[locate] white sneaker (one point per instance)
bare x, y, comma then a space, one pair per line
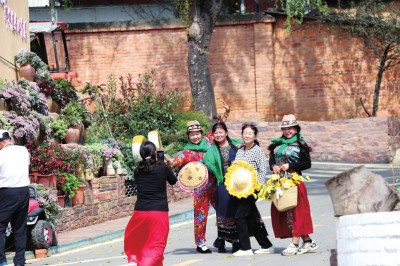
290, 250
243, 253
307, 247
262, 251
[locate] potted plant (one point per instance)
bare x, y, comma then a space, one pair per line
59, 129
37, 99
76, 117
67, 184
28, 62
16, 97
50, 203
24, 128
45, 131
48, 159
64, 92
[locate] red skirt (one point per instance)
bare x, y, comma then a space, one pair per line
295, 222
146, 237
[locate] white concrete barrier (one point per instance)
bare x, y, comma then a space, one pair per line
369, 239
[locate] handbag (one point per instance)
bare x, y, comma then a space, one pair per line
285, 199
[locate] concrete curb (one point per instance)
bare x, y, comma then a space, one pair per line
173, 219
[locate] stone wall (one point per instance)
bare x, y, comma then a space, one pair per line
105, 200
360, 140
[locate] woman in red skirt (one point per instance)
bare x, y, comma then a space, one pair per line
147, 231
290, 153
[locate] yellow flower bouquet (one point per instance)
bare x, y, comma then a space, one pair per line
277, 183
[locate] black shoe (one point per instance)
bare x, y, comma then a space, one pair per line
219, 243
203, 249
235, 246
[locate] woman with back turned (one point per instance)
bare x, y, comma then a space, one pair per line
147, 231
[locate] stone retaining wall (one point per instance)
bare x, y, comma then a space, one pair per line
360, 140
105, 200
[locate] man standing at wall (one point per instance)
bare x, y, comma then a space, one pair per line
14, 195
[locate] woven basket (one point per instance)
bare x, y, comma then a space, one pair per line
287, 201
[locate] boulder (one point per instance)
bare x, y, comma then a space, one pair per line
358, 190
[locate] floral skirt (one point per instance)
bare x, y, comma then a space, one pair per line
146, 237
294, 222
226, 209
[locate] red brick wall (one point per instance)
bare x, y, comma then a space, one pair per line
256, 66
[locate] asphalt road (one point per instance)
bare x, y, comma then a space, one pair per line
181, 251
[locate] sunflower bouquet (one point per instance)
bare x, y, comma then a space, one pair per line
277, 183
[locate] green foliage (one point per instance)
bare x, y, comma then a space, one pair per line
126, 109
129, 161
64, 92
68, 184
183, 8
180, 137
59, 128
50, 204
298, 9
96, 153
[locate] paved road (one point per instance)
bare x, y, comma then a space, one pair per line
180, 249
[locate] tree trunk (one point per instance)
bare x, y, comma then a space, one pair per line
381, 69
199, 38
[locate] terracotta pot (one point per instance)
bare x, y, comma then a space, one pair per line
78, 199
61, 201
73, 134
44, 180
33, 176
27, 72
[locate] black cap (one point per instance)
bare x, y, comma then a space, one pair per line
4, 134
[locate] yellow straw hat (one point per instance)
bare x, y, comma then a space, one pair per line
193, 175
241, 179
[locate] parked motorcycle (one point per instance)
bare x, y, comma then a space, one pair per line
40, 233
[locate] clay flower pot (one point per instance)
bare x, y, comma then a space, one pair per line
27, 72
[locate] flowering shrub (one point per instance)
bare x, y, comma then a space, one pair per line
50, 204
36, 98
64, 92
17, 95
276, 183
25, 127
27, 57
47, 158
67, 184
109, 153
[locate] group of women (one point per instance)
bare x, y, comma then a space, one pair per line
237, 219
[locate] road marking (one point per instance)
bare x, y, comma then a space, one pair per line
187, 262
91, 260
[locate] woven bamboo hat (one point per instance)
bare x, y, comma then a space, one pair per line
193, 175
241, 179
193, 126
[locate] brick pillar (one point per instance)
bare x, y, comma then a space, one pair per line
264, 69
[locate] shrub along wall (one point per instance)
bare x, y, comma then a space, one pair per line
255, 65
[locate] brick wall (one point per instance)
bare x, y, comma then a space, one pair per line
260, 69
368, 239
360, 140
